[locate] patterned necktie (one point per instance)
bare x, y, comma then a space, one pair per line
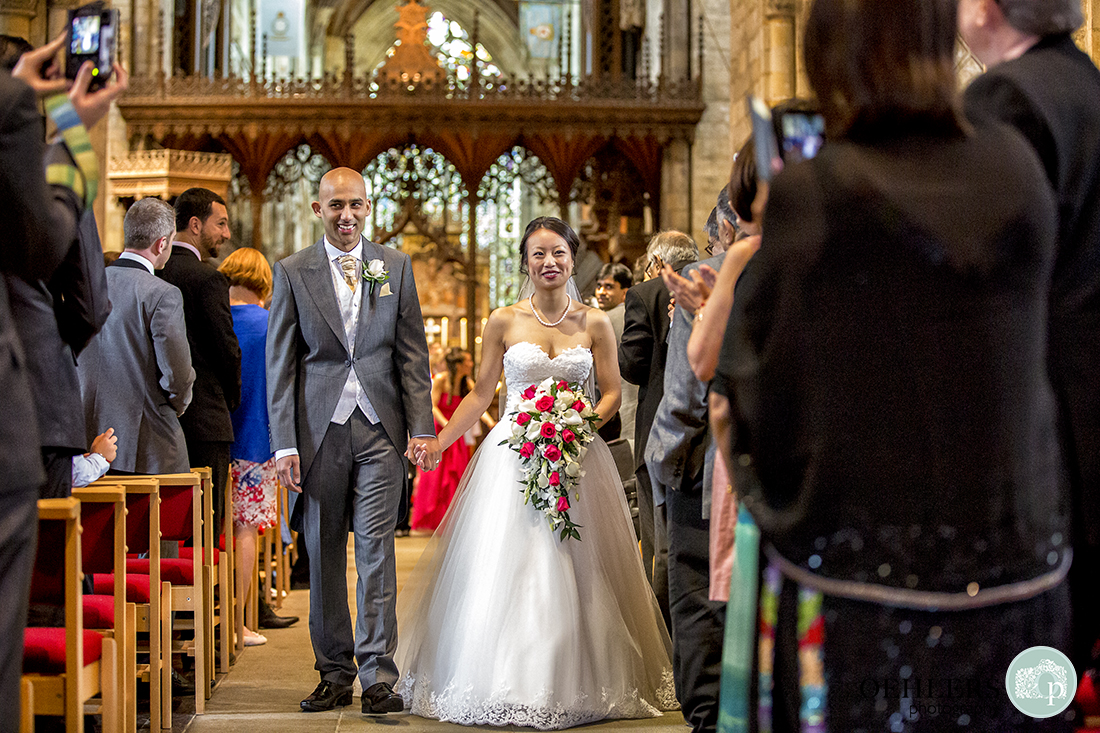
350, 266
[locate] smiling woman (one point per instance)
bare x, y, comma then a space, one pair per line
596, 646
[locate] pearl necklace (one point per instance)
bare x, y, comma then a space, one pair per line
555, 323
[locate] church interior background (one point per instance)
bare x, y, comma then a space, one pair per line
467, 117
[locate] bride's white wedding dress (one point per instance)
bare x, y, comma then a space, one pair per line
501, 623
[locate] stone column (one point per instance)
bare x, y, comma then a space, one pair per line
780, 74
17, 18
746, 61
678, 29
1091, 29
675, 185
713, 149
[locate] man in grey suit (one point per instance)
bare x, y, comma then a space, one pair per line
348, 382
135, 374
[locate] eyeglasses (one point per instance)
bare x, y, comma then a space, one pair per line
709, 249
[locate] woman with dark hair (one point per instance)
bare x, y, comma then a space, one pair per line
894, 430
503, 621
435, 489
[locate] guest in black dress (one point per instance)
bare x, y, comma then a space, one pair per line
894, 427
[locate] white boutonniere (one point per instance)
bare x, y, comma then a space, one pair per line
375, 272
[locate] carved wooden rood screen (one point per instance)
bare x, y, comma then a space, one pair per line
350, 119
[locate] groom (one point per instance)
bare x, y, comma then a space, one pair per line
347, 382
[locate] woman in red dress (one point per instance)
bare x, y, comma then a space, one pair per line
436, 488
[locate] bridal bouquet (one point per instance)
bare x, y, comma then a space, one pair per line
550, 429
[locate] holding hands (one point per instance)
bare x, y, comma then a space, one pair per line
424, 452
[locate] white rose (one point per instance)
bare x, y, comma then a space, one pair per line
376, 268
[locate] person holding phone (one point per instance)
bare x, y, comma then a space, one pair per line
42, 211
894, 431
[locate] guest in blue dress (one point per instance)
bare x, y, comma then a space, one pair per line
252, 462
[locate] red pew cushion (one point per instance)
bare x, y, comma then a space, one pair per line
99, 612
137, 586
44, 649
176, 572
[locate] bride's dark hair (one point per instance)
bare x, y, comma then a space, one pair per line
552, 224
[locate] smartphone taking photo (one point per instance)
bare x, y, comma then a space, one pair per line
790, 133
93, 36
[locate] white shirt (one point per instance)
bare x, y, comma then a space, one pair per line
353, 393
138, 258
188, 246
89, 468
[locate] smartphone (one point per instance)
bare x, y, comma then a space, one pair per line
768, 161
93, 36
801, 135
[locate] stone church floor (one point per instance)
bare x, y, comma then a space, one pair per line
262, 691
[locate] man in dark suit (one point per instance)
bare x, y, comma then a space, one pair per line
348, 382
136, 374
59, 317
40, 221
202, 227
642, 353
1039, 82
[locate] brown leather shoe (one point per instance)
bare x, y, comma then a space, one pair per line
380, 698
326, 697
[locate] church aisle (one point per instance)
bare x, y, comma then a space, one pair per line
264, 688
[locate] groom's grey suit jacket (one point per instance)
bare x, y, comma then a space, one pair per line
308, 358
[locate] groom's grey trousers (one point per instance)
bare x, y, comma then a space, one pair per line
354, 483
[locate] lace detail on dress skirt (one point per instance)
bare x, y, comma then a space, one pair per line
464, 708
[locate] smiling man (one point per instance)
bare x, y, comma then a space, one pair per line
202, 226
348, 382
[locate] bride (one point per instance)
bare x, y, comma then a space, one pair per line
502, 623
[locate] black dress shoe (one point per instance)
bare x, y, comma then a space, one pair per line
271, 620
326, 697
180, 685
380, 698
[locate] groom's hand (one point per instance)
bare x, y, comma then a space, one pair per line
289, 470
425, 452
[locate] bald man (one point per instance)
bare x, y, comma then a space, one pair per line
348, 382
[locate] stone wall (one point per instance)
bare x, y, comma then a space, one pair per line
712, 151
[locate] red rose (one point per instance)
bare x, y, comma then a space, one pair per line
555, 479
552, 453
544, 404
548, 430
529, 393
567, 435
563, 385
578, 405
527, 450
523, 418
563, 503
